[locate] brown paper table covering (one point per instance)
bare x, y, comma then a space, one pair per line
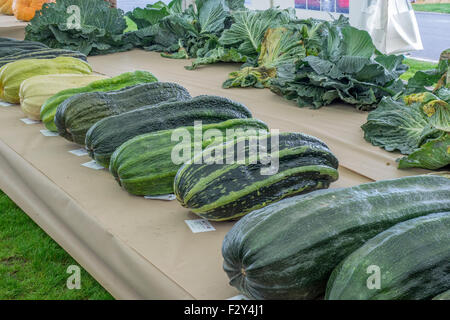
139, 248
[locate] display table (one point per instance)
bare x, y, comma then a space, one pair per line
11, 28
138, 248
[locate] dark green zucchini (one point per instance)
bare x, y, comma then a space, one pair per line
104, 137
443, 296
410, 261
77, 114
227, 191
44, 53
289, 249
11, 46
144, 165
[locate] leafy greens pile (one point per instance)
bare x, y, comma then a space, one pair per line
417, 126
100, 31
347, 68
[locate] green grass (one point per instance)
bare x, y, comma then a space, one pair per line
416, 65
433, 7
32, 265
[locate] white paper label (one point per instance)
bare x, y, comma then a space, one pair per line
239, 297
79, 152
167, 197
200, 225
5, 104
93, 165
29, 121
48, 133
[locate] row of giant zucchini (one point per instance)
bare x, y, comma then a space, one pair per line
11, 46
36, 90
13, 74
288, 250
222, 191
76, 115
144, 165
41, 53
125, 80
108, 134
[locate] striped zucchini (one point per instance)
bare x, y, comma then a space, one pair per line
43, 53
227, 191
76, 115
289, 249
143, 165
108, 134
411, 259
13, 46
125, 80
443, 296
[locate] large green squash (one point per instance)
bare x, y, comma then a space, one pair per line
43, 53
289, 249
108, 134
144, 165
225, 191
76, 115
128, 79
443, 296
13, 46
410, 261
13, 74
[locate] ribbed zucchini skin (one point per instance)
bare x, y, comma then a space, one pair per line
143, 165
43, 53
413, 258
289, 249
443, 296
76, 115
108, 134
125, 80
13, 46
227, 191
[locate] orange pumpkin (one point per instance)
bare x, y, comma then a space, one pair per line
6, 7
25, 9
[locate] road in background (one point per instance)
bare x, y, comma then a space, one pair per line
435, 32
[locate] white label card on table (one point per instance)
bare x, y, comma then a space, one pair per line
48, 133
93, 165
200, 225
29, 121
167, 197
79, 152
6, 104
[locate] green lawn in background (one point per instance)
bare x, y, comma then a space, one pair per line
32, 265
416, 65
433, 7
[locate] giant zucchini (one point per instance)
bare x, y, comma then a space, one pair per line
288, 250
13, 74
43, 53
122, 81
12, 46
412, 261
108, 134
227, 191
443, 296
36, 90
77, 114
144, 166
